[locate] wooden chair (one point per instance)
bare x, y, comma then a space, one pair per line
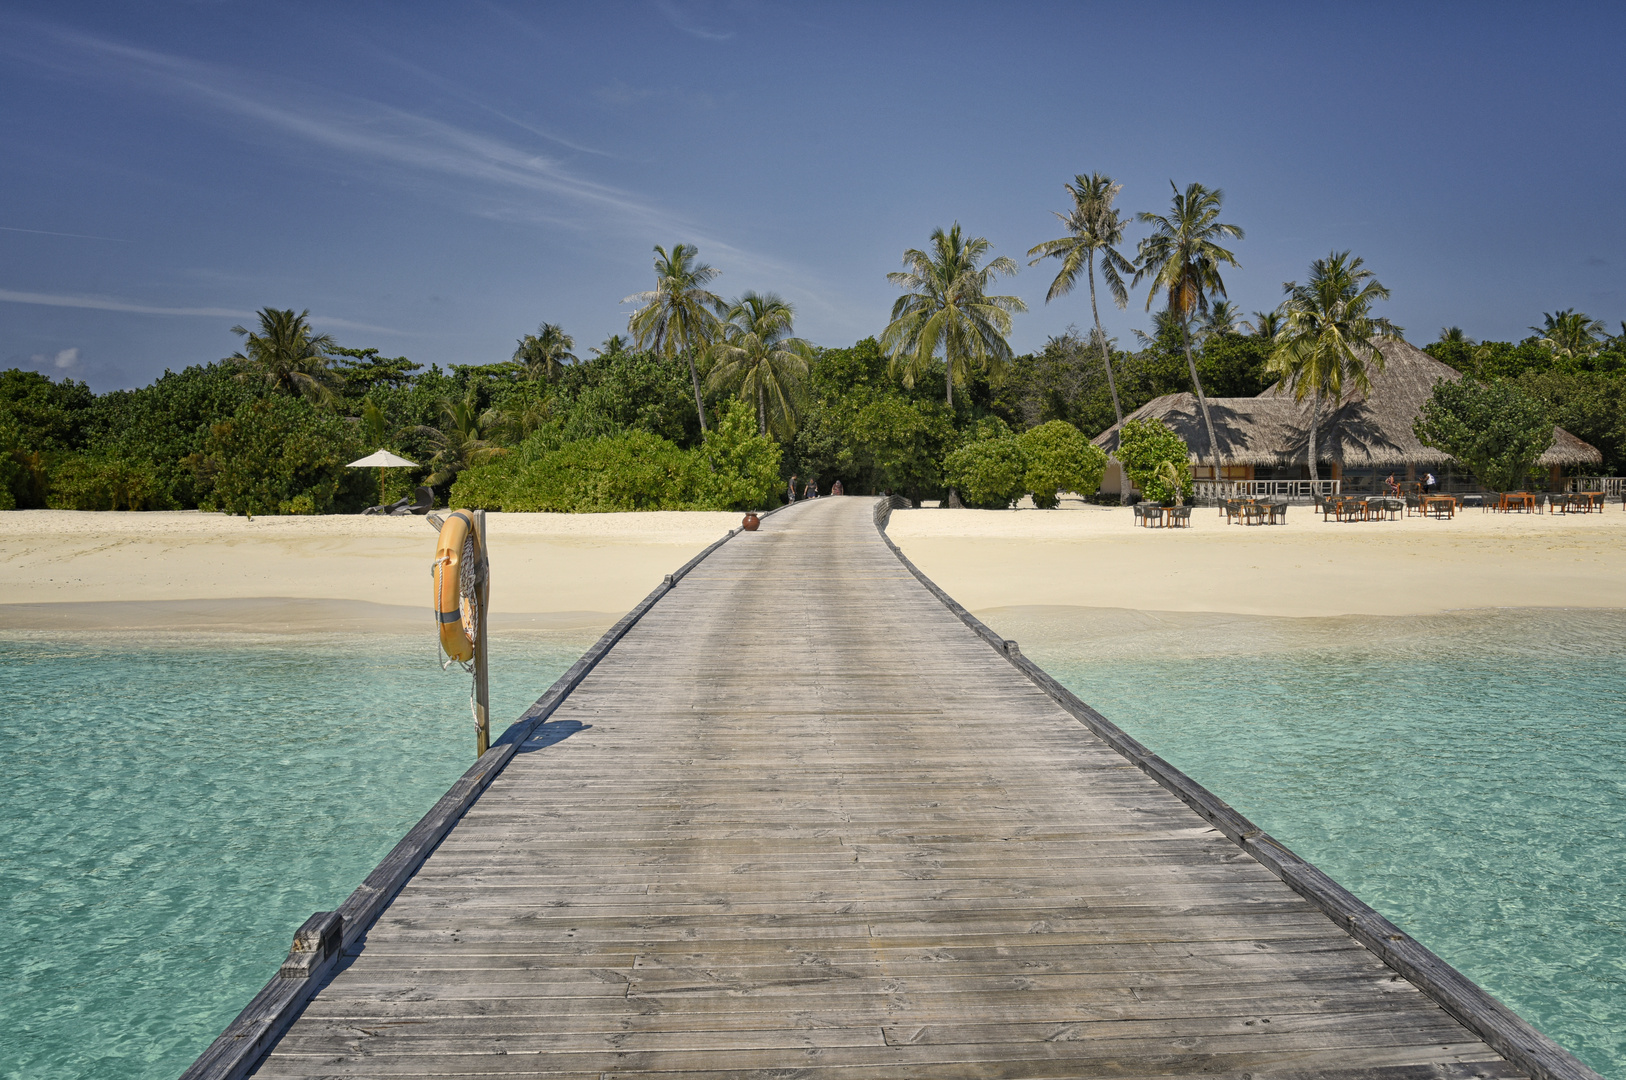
1177, 517
1152, 513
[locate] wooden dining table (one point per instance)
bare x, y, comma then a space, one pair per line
1524, 500
1439, 505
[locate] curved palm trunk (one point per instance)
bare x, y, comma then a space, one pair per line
694, 375
948, 380
762, 410
1315, 421
1202, 399
1124, 488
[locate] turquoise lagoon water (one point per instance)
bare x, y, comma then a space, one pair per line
171, 811
1464, 774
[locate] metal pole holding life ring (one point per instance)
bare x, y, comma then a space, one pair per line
462, 597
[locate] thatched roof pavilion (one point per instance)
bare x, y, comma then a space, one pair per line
1367, 431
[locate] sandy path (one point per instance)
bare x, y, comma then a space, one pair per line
1095, 557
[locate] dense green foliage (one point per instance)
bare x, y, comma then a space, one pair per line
1057, 457
276, 455
734, 468
721, 405
1495, 429
1145, 447
1584, 394
989, 474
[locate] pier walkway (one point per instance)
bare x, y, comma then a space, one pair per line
803, 821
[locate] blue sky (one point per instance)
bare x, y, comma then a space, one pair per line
437, 179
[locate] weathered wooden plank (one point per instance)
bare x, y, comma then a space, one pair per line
811, 822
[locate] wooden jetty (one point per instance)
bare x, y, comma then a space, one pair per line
800, 815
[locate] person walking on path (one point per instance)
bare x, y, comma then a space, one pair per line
835, 488
812, 491
790, 496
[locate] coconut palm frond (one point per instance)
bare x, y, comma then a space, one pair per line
1182, 258
679, 316
540, 355
946, 306
759, 359
286, 355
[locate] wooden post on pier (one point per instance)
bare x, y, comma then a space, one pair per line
482, 687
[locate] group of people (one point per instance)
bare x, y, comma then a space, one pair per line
811, 490
1391, 486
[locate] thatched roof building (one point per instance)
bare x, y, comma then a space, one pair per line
1368, 431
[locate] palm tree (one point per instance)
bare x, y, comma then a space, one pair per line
1222, 318
464, 438
1183, 260
286, 356
1093, 225
1570, 333
540, 355
759, 358
613, 345
948, 306
1330, 337
679, 315
1455, 335
1265, 324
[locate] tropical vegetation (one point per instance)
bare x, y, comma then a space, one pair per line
713, 403
1328, 340
1495, 429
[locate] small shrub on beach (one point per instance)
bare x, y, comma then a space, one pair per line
1143, 446
739, 468
1057, 457
988, 474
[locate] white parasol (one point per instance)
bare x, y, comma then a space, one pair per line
382, 460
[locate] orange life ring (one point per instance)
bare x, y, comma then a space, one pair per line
457, 556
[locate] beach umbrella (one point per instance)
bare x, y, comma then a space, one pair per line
382, 460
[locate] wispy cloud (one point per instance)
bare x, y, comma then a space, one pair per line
487, 175
369, 130
685, 21
109, 303
74, 235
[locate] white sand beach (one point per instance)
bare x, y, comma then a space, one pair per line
1095, 557
68, 570
189, 570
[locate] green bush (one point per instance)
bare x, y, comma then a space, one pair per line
1143, 446
1495, 429
280, 455
739, 468
89, 482
734, 469
631, 471
1057, 457
990, 474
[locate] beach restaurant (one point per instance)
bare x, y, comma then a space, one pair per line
1264, 441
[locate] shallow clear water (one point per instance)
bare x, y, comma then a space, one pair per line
1464, 774
170, 811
